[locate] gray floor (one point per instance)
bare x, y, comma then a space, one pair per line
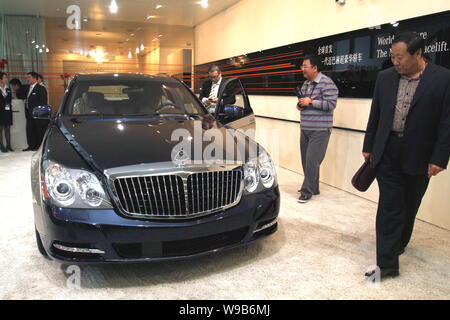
321, 251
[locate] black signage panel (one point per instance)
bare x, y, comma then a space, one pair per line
351, 59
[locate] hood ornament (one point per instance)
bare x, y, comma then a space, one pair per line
180, 157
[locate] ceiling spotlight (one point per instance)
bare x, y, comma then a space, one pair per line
130, 55
40, 50
113, 8
142, 46
33, 42
47, 50
204, 3
37, 47
137, 50
150, 17
158, 6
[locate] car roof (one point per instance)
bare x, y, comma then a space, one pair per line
122, 76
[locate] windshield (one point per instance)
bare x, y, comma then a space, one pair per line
131, 98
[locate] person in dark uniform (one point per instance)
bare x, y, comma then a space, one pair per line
37, 96
5, 113
17, 89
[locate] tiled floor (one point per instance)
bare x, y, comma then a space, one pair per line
321, 251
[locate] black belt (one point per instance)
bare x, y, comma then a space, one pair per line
397, 134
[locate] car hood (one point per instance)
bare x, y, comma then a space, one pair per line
111, 143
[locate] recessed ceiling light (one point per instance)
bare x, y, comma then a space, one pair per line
113, 8
204, 3
151, 17
158, 6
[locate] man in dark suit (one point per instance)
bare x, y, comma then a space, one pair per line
407, 141
211, 88
37, 96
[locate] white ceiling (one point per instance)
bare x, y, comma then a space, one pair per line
172, 12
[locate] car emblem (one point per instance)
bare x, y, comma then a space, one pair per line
181, 157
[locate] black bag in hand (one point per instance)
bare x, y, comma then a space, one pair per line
364, 177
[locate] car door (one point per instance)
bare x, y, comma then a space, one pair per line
234, 107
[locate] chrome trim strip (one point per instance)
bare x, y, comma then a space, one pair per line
266, 226
78, 250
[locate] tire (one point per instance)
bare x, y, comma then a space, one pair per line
40, 246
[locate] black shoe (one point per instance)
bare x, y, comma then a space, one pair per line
314, 194
3, 149
303, 198
9, 148
27, 149
384, 273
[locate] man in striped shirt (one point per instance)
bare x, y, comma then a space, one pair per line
316, 102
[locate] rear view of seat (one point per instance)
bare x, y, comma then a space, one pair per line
93, 102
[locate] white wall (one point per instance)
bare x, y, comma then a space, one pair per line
253, 25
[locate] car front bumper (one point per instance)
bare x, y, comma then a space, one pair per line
105, 236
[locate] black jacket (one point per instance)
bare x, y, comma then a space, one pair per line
38, 97
206, 88
427, 129
5, 115
229, 96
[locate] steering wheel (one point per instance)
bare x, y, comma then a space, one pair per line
167, 106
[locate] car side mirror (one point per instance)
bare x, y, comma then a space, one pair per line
42, 113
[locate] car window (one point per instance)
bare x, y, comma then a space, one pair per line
112, 93
133, 97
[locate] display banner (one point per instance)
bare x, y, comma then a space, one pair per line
351, 59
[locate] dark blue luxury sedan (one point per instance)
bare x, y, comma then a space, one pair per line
134, 168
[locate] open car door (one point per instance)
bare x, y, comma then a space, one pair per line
234, 107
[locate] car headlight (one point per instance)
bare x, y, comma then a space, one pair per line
251, 175
258, 170
73, 188
266, 169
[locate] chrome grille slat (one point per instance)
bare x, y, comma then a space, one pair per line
142, 195
171, 196
123, 194
179, 197
129, 195
148, 196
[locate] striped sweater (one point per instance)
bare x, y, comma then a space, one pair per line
319, 115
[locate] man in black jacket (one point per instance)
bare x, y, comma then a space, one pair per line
211, 87
36, 96
407, 141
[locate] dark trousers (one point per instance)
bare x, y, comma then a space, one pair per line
313, 146
35, 131
400, 198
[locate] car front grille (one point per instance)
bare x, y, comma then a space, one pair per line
174, 196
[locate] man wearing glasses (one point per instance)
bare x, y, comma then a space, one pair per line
316, 102
211, 88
